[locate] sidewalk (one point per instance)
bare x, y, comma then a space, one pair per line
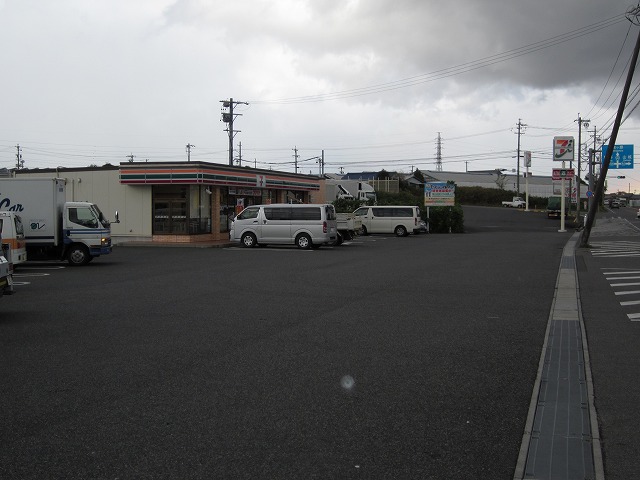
583, 414
561, 438
203, 244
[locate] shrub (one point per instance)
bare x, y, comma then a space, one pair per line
446, 219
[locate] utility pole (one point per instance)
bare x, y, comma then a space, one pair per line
189, 147
130, 157
439, 153
295, 158
19, 160
632, 16
228, 118
239, 154
592, 162
521, 127
581, 121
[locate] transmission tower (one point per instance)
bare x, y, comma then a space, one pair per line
439, 153
19, 160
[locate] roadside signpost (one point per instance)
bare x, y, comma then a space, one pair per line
621, 158
562, 173
439, 194
563, 151
527, 163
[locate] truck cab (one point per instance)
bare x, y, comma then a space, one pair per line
86, 232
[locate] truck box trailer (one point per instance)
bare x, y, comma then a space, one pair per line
53, 227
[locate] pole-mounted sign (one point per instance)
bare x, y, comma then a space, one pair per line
562, 173
563, 150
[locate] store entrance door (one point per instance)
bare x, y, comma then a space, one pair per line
170, 216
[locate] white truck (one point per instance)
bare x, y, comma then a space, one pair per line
53, 227
349, 226
517, 202
6, 270
350, 190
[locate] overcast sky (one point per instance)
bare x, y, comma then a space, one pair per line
370, 82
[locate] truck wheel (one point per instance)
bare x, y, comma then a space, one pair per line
303, 241
78, 255
339, 239
249, 240
364, 231
400, 231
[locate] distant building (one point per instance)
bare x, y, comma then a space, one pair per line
177, 201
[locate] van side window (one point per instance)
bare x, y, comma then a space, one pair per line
381, 212
306, 213
248, 213
403, 212
330, 212
277, 213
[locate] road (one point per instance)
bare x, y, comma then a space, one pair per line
383, 358
610, 297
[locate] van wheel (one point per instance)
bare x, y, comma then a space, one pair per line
249, 240
400, 231
78, 255
303, 241
364, 231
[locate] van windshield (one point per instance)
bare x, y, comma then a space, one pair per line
248, 213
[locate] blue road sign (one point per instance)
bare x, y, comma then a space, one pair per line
622, 156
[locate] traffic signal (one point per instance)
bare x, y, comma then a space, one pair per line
620, 176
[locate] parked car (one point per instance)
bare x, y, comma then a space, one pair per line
615, 203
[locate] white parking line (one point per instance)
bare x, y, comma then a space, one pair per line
33, 267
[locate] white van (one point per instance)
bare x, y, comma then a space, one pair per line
304, 225
399, 219
13, 234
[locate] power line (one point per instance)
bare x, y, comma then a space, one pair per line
454, 70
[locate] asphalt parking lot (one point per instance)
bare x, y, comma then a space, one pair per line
384, 358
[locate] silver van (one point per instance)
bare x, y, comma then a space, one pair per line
399, 219
304, 225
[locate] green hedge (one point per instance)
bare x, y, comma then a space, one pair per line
446, 219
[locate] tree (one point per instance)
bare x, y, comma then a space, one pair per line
383, 175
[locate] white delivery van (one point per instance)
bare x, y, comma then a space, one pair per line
13, 234
304, 225
399, 219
